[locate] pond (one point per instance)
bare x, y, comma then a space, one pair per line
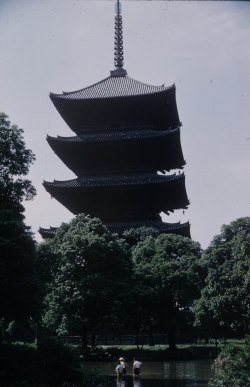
161, 374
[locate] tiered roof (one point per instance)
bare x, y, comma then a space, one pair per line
126, 131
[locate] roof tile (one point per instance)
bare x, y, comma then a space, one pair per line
115, 180
112, 87
116, 135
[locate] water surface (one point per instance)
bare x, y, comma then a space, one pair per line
161, 374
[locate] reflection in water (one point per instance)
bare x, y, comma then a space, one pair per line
137, 382
120, 382
128, 382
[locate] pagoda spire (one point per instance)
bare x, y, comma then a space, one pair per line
118, 43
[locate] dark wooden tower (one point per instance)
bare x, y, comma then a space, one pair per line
127, 141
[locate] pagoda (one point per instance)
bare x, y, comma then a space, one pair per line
126, 143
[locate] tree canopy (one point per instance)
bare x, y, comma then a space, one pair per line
224, 306
19, 284
18, 276
169, 271
15, 161
135, 235
92, 273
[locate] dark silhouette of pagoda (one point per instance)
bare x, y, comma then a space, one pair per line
127, 141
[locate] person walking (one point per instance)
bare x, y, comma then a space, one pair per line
136, 366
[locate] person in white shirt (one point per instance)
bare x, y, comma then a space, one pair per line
122, 361
136, 366
119, 369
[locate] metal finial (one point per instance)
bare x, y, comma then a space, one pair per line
118, 52
118, 7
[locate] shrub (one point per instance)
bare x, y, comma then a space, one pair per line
56, 364
96, 354
49, 364
232, 367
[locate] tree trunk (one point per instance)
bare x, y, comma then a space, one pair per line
216, 345
3, 338
84, 339
225, 340
150, 337
142, 338
171, 339
36, 334
93, 340
137, 339
206, 339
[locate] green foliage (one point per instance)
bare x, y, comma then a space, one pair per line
57, 364
20, 330
15, 161
48, 365
233, 367
18, 276
19, 284
224, 306
97, 354
89, 279
135, 235
168, 275
149, 353
170, 264
49, 258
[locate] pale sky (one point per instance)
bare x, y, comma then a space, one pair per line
202, 47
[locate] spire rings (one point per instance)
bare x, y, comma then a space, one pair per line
118, 42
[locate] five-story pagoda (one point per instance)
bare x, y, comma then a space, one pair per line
127, 141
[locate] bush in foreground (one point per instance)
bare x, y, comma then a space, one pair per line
232, 367
49, 364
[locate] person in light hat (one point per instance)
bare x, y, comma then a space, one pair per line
123, 364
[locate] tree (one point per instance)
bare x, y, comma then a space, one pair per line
135, 235
19, 286
224, 306
88, 287
168, 268
15, 161
232, 366
18, 276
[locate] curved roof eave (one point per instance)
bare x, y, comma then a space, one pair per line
89, 182
112, 87
161, 226
120, 227
118, 135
